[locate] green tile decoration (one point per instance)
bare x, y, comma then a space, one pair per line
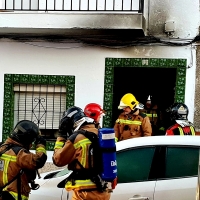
108, 105
110, 63
109, 70
180, 90
70, 79
50, 145
181, 62
163, 62
107, 119
109, 79
108, 88
172, 62
154, 62
181, 71
180, 81
127, 62
34, 79
180, 98
70, 88
11, 79
118, 62
145, 62
43, 79
137, 62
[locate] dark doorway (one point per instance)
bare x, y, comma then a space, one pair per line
159, 82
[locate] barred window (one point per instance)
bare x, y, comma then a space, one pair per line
42, 104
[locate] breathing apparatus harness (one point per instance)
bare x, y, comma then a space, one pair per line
16, 149
93, 172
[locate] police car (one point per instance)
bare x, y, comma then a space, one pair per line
148, 168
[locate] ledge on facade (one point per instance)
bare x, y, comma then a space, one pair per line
76, 25
89, 36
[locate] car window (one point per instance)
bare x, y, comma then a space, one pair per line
181, 162
62, 173
134, 164
56, 174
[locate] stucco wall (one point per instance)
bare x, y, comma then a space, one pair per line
86, 63
197, 92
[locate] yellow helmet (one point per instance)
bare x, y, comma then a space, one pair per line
129, 100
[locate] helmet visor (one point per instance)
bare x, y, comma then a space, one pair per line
140, 106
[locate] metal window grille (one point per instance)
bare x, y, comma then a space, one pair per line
42, 104
75, 5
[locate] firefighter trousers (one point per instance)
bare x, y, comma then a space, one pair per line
90, 195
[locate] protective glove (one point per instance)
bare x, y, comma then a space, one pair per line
40, 140
62, 133
65, 128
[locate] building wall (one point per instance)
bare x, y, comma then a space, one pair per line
197, 93
86, 63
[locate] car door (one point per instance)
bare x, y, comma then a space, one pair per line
133, 166
179, 178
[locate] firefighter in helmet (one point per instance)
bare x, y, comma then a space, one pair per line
152, 111
131, 123
94, 111
179, 120
18, 166
72, 149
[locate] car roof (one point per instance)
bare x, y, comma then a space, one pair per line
158, 140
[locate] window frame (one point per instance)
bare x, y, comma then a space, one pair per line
11, 79
136, 148
157, 170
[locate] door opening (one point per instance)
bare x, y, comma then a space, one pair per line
140, 81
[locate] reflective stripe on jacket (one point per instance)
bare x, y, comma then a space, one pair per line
130, 126
176, 129
192, 131
66, 152
122, 121
11, 164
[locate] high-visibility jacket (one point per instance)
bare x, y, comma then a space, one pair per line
11, 164
131, 126
153, 114
176, 129
66, 152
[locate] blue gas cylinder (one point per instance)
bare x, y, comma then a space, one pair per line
108, 147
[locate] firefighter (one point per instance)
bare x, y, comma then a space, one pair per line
131, 123
73, 150
94, 111
18, 166
179, 120
152, 111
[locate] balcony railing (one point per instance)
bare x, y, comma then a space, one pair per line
135, 6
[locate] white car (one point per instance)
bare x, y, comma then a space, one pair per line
149, 168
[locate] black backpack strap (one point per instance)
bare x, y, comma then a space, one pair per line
16, 149
9, 182
8, 146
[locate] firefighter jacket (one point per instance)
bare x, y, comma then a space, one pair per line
132, 126
176, 129
155, 117
16, 159
68, 152
152, 113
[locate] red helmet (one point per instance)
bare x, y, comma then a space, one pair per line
93, 110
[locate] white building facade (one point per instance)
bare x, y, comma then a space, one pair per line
73, 58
